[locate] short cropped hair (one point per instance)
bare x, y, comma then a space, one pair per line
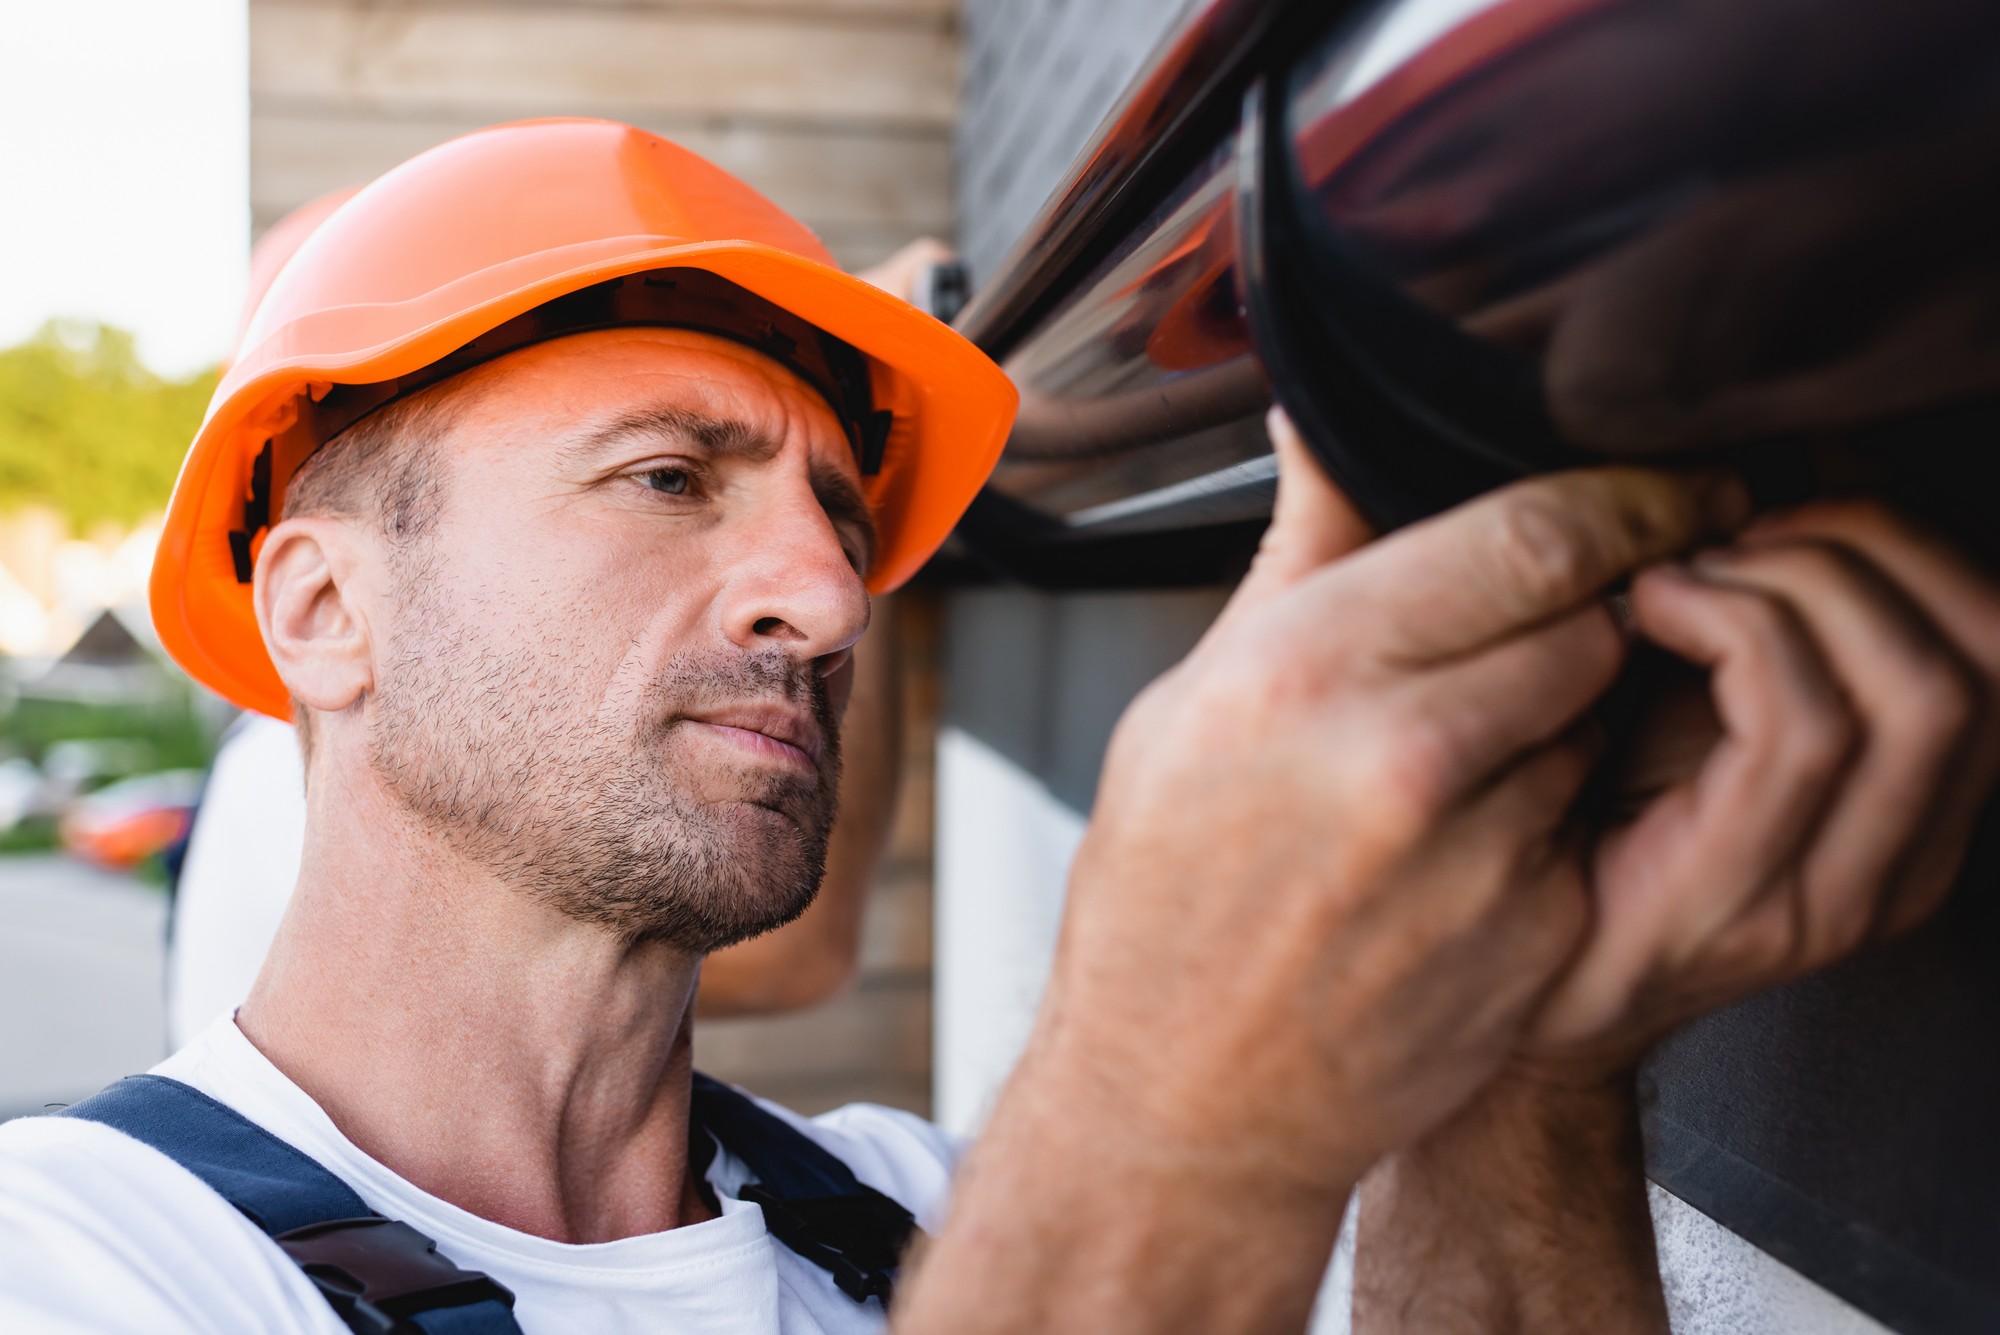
383, 471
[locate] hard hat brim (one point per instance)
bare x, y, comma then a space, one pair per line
952, 410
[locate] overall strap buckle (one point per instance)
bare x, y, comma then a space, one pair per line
379, 1274
858, 1238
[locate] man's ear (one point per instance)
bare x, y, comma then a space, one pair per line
309, 607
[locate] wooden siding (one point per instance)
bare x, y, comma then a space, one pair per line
840, 110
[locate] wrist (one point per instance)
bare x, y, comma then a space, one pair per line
1529, 1204
1182, 1109
1537, 1130
1161, 1142
1552, 1086
1099, 1218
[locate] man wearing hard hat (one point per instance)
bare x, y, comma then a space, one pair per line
242, 858
548, 494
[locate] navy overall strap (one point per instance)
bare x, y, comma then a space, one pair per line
381, 1276
812, 1202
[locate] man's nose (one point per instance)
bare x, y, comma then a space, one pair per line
793, 586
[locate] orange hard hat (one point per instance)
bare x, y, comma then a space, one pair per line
278, 244
528, 231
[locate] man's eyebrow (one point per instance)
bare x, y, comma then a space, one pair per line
722, 436
730, 438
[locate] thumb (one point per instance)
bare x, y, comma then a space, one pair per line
1312, 521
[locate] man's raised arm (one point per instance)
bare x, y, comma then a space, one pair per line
1328, 878
1850, 745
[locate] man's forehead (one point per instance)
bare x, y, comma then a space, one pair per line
645, 376
614, 395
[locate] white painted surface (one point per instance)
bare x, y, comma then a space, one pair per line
1334, 1309
1004, 848
1718, 1284
1034, 685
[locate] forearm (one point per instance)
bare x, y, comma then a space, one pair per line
1526, 1212
1069, 1216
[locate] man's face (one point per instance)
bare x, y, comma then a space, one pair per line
613, 666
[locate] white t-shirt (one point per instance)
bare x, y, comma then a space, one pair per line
100, 1233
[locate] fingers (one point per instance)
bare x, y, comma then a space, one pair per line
1512, 681
1964, 604
1486, 709
1534, 551
1953, 593
1743, 818
1856, 754
1312, 523
1893, 839
1497, 569
1683, 894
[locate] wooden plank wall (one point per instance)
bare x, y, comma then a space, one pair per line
841, 111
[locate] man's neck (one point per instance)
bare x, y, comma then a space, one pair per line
524, 1066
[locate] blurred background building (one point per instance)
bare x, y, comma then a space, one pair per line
840, 110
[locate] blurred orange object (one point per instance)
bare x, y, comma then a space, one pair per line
122, 825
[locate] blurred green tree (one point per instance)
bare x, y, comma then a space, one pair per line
86, 429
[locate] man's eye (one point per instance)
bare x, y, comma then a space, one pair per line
672, 481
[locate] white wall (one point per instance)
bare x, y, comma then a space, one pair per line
1032, 686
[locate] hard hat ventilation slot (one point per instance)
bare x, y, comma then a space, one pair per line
875, 440
256, 516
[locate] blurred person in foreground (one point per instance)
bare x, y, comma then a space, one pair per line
242, 856
570, 631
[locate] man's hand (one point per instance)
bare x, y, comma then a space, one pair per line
899, 273
1816, 792
1330, 853
1327, 879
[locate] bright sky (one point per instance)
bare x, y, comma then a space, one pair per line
124, 170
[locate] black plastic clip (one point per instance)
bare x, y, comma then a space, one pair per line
873, 430
858, 1239
378, 1273
256, 515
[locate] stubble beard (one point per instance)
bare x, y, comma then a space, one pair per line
602, 820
